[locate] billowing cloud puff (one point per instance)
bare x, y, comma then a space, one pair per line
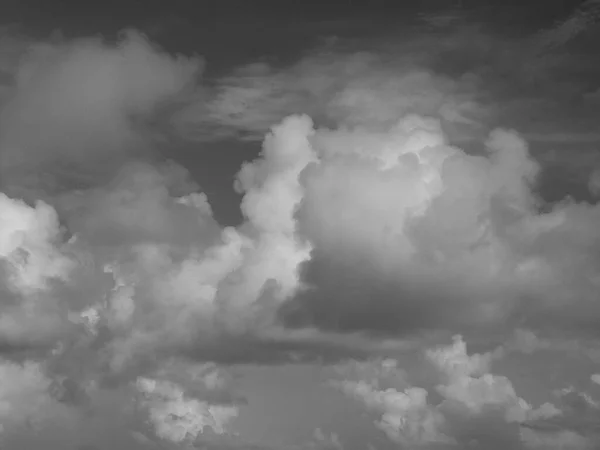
38, 408
122, 264
405, 416
469, 384
28, 238
594, 182
435, 236
177, 415
472, 408
34, 259
147, 266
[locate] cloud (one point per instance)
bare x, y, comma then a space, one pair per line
90, 104
406, 417
178, 277
326, 441
178, 417
33, 260
147, 267
573, 426
38, 409
594, 183
25, 397
351, 88
114, 265
452, 239
462, 71
366, 231
470, 385
469, 75
581, 21
473, 408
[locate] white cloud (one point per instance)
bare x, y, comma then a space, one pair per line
177, 417
469, 384
28, 237
459, 235
405, 416
34, 259
476, 409
403, 412
123, 264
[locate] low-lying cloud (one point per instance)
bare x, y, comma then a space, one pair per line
474, 408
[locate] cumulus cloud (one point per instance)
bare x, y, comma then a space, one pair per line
452, 239
113, 263
141, 239
39, 409
469, 384
473, 408
466, 74
34, 258
176, 413
361, 220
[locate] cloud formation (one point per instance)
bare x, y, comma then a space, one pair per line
113, 263
452, 239
367, 229
474, 408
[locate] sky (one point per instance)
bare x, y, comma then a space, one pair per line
282, 226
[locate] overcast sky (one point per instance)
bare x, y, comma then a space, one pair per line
276, 226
